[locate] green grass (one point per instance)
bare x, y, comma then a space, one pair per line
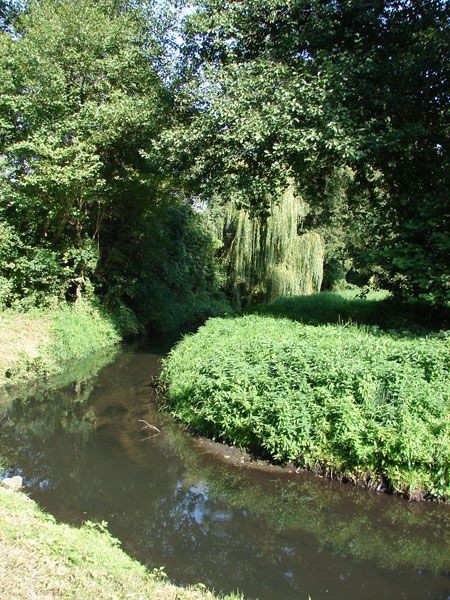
44, 559
351, 401
39, 342
376, 308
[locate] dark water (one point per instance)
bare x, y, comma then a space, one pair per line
77, 442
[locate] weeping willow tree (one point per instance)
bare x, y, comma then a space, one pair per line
267, 258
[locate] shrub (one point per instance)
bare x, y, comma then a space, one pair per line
178, 282
78, 330
369, 405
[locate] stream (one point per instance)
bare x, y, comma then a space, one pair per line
176, 501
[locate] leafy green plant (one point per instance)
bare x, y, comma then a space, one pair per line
351, 401
302, 89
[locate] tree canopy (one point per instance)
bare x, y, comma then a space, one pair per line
80, 101
304, 88
116, 114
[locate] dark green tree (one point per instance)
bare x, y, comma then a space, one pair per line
306, 88
80, 101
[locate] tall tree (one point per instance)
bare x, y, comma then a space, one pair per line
8, 12
80, 101
306, 88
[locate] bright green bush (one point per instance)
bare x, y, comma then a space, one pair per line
369, 405
81, 330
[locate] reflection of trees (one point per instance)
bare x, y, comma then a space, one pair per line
60, 402
79, 450
354, 522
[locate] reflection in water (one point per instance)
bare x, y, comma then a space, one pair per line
81, 453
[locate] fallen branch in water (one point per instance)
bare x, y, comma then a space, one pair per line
148, 426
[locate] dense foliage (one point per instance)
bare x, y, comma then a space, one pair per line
172, 276
269, 258
78, 101
115, 115
370, 406
88, 208
309, 89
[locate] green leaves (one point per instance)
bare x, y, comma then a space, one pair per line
277, 90
80, 99
372, 405
178, 281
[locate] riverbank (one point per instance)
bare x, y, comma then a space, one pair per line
347, 402
41, 559
39, 342
330, 511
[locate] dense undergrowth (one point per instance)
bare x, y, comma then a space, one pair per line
38, 342
350, 401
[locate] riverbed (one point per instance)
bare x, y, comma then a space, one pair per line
93, 445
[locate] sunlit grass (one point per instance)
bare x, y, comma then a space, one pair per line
41, 559
39, 342
375, 308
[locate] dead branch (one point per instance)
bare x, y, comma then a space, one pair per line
149, 426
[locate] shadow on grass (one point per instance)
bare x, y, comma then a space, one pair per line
378, 308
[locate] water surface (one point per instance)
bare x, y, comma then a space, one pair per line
78, 444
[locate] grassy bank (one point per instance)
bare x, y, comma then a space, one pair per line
375, 308
41, 559
347, 401
39, 342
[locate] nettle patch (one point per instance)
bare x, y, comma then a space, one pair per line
352, 402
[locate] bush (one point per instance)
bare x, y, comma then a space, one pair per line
368, 405
79, 330
33, 275
178, 282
